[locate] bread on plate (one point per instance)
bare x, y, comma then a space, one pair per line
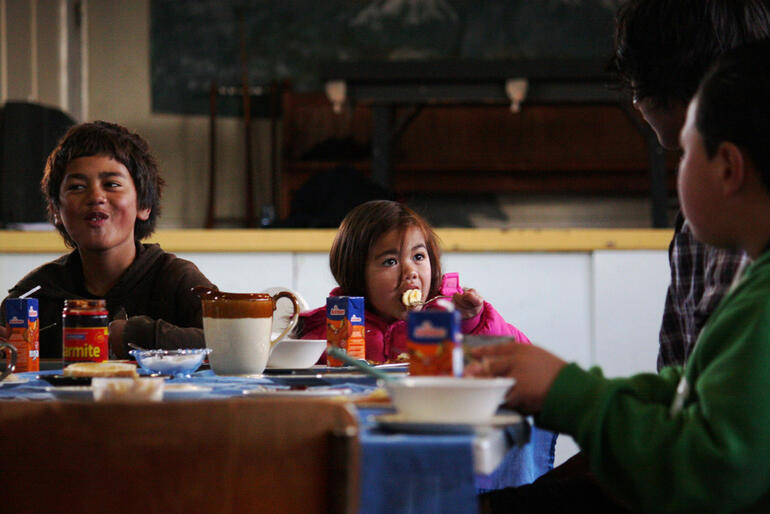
101, 369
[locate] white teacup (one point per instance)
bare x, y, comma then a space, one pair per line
237, 328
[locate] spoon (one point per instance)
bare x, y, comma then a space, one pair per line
137, 347
363, 366
447, 302
437, 298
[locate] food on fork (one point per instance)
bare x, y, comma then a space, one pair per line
411, 297
101, 369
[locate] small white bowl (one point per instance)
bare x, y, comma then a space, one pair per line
444, 399
296, 353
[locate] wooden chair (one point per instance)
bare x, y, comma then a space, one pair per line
237, 455
308, 119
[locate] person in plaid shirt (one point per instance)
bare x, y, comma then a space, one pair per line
663, 49
700, 277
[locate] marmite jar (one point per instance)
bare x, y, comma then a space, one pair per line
85, 331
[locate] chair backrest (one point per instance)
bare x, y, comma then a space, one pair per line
309, 119
237, 455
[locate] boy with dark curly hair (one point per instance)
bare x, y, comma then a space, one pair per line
103, 191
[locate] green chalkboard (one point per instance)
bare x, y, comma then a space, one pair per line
196, 41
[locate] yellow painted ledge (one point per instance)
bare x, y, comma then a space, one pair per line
319, 240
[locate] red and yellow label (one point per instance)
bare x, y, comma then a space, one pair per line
22, 319
345, 326
85, 344
433, 343
430, 358
25, 339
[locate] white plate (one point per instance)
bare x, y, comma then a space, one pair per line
397, 366
307, 393
184, 391
396, 369
72, 393
399, 423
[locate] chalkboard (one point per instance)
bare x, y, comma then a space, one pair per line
196, 41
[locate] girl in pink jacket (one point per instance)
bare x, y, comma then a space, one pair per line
382, 250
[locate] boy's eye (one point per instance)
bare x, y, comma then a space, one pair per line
73, 186
111, 182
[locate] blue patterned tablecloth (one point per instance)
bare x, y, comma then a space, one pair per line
420, 473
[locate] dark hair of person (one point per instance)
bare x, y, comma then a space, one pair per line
359, 232
733, 105
101, 138
663, 48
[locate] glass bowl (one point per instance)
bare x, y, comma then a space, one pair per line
179, 363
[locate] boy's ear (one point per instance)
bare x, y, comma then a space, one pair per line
143, 214
734, 167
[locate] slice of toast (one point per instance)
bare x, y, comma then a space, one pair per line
101, 369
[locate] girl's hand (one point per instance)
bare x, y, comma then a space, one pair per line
469, 303
533, 368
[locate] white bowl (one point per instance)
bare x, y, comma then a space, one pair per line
296, 353
444, 399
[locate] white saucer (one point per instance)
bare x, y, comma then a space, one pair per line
399, 423
299, 393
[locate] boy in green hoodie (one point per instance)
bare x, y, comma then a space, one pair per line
103, 190
695, 439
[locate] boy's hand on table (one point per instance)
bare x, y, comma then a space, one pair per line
469, 303
534, 369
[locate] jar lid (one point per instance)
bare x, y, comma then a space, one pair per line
81, 303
